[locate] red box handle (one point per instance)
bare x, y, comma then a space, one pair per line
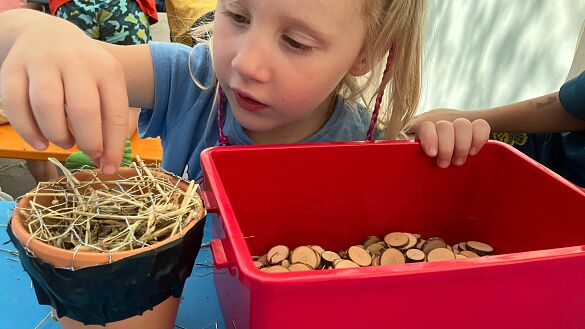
218, 253
209, 201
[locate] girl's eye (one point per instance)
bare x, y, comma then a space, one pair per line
237, 18
297, 45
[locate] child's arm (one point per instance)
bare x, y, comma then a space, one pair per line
50, 63
541, 114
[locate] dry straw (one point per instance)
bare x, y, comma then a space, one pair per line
110, 215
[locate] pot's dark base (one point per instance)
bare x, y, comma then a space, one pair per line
118, 290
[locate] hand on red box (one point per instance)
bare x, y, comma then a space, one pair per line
451, 142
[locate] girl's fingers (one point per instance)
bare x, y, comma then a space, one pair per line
446, 142
83, 110
463, 138
427, 134
481, 134
46, 100
14, 91
115, 116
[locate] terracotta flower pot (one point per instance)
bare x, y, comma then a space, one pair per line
163, 314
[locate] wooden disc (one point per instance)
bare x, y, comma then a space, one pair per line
479, 248
415, 255
376, 260
276, 269
335, 262
376, 248
469, 254
297, 267
304, 254
329, 256
462, 246
359, 256
318, 258
371, 240
317, 248
412, 241
392, 256
417, 236
432, 244
420, 243
440, 254
263, 259
344, 263
460, 256
396, 239
285, 263
258, 264
278, 254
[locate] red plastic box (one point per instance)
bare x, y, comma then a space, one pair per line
335, 195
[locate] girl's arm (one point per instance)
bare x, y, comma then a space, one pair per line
59, 85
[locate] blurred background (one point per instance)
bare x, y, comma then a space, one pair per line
485, 53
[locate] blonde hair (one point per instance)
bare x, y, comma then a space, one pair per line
396, 24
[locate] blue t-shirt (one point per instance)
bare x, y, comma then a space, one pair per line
563, 153
185, 117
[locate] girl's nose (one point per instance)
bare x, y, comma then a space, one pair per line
251, 59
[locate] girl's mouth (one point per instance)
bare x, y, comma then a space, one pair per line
248, 103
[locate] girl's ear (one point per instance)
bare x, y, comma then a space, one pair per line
359, 67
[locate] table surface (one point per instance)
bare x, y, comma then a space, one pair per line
199, 307
13, 146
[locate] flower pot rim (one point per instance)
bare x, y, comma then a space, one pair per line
70, 258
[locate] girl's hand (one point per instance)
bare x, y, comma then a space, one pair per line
452, 142
61, 86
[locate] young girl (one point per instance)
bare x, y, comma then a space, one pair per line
286, 71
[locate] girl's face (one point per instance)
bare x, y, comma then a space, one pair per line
279, 60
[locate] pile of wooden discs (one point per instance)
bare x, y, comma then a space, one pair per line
129, 212
395, 248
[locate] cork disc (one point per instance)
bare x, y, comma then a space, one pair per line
392, 256
304, 254
329, 256
276, 269
479, 248
440, 254
432, 244
468, 254
359, 256
396, 239
415, 255
412, 241
278, 254
344, 263
297, 267
371, 240
376, 248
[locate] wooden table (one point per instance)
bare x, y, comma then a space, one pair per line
13, 146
